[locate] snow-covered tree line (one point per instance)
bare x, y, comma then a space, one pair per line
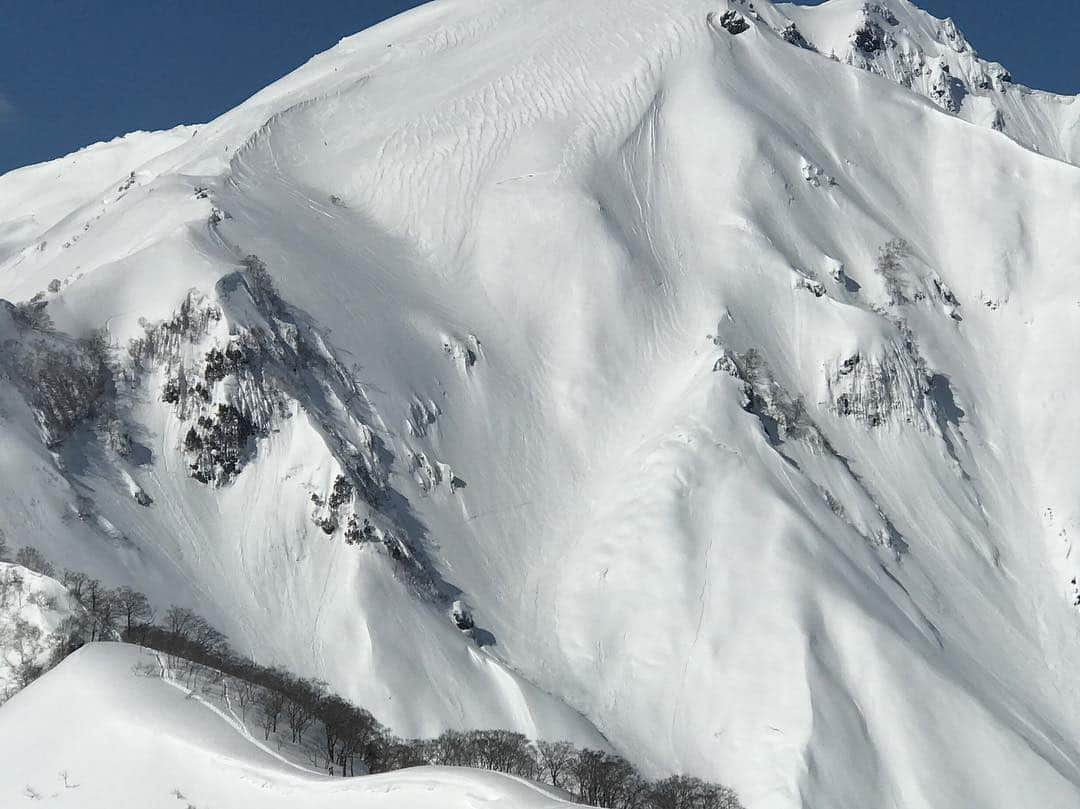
338, 736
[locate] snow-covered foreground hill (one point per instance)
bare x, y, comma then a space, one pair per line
96, 733
726, 385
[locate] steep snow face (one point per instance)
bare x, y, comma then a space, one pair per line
904, 44
118, 738
718, 381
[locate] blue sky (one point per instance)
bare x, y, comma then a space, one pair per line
73, 72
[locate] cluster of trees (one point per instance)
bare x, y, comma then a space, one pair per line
219, 443
342, 738
105, 614
65, 380
890, 263
31, 314
261, 284
22, 644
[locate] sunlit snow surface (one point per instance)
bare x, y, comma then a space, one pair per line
609, 204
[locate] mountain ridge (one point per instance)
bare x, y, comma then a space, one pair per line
632, 331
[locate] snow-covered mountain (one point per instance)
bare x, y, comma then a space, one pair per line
723, 383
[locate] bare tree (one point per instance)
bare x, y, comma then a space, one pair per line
133, 608
451, 748
361, 736
32, 315
398, 754
180, 621
501, 750
272, 703
890, 265
246, 692
101, 604
7, 585
261, 283
33, 559
687, 792
607, 780
556, 760
300, 717
71, 634
15, 582
75, 582
26, 643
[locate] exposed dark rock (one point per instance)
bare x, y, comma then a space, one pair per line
467, 350
850, 364
893, 386
782, 416
793, 36
342, 493
463, 619
117, 438
884, 12
733, 22
947, 91
870, 38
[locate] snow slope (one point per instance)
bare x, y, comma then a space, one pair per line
35, 198
581, 299
96, 734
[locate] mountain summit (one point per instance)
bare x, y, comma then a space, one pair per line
687, 380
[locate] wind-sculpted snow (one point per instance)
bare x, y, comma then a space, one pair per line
723, 385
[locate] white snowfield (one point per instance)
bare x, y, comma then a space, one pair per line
589, 291
96, 734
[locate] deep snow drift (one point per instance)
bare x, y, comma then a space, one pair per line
582, 314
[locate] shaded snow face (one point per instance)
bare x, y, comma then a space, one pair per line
612, 374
